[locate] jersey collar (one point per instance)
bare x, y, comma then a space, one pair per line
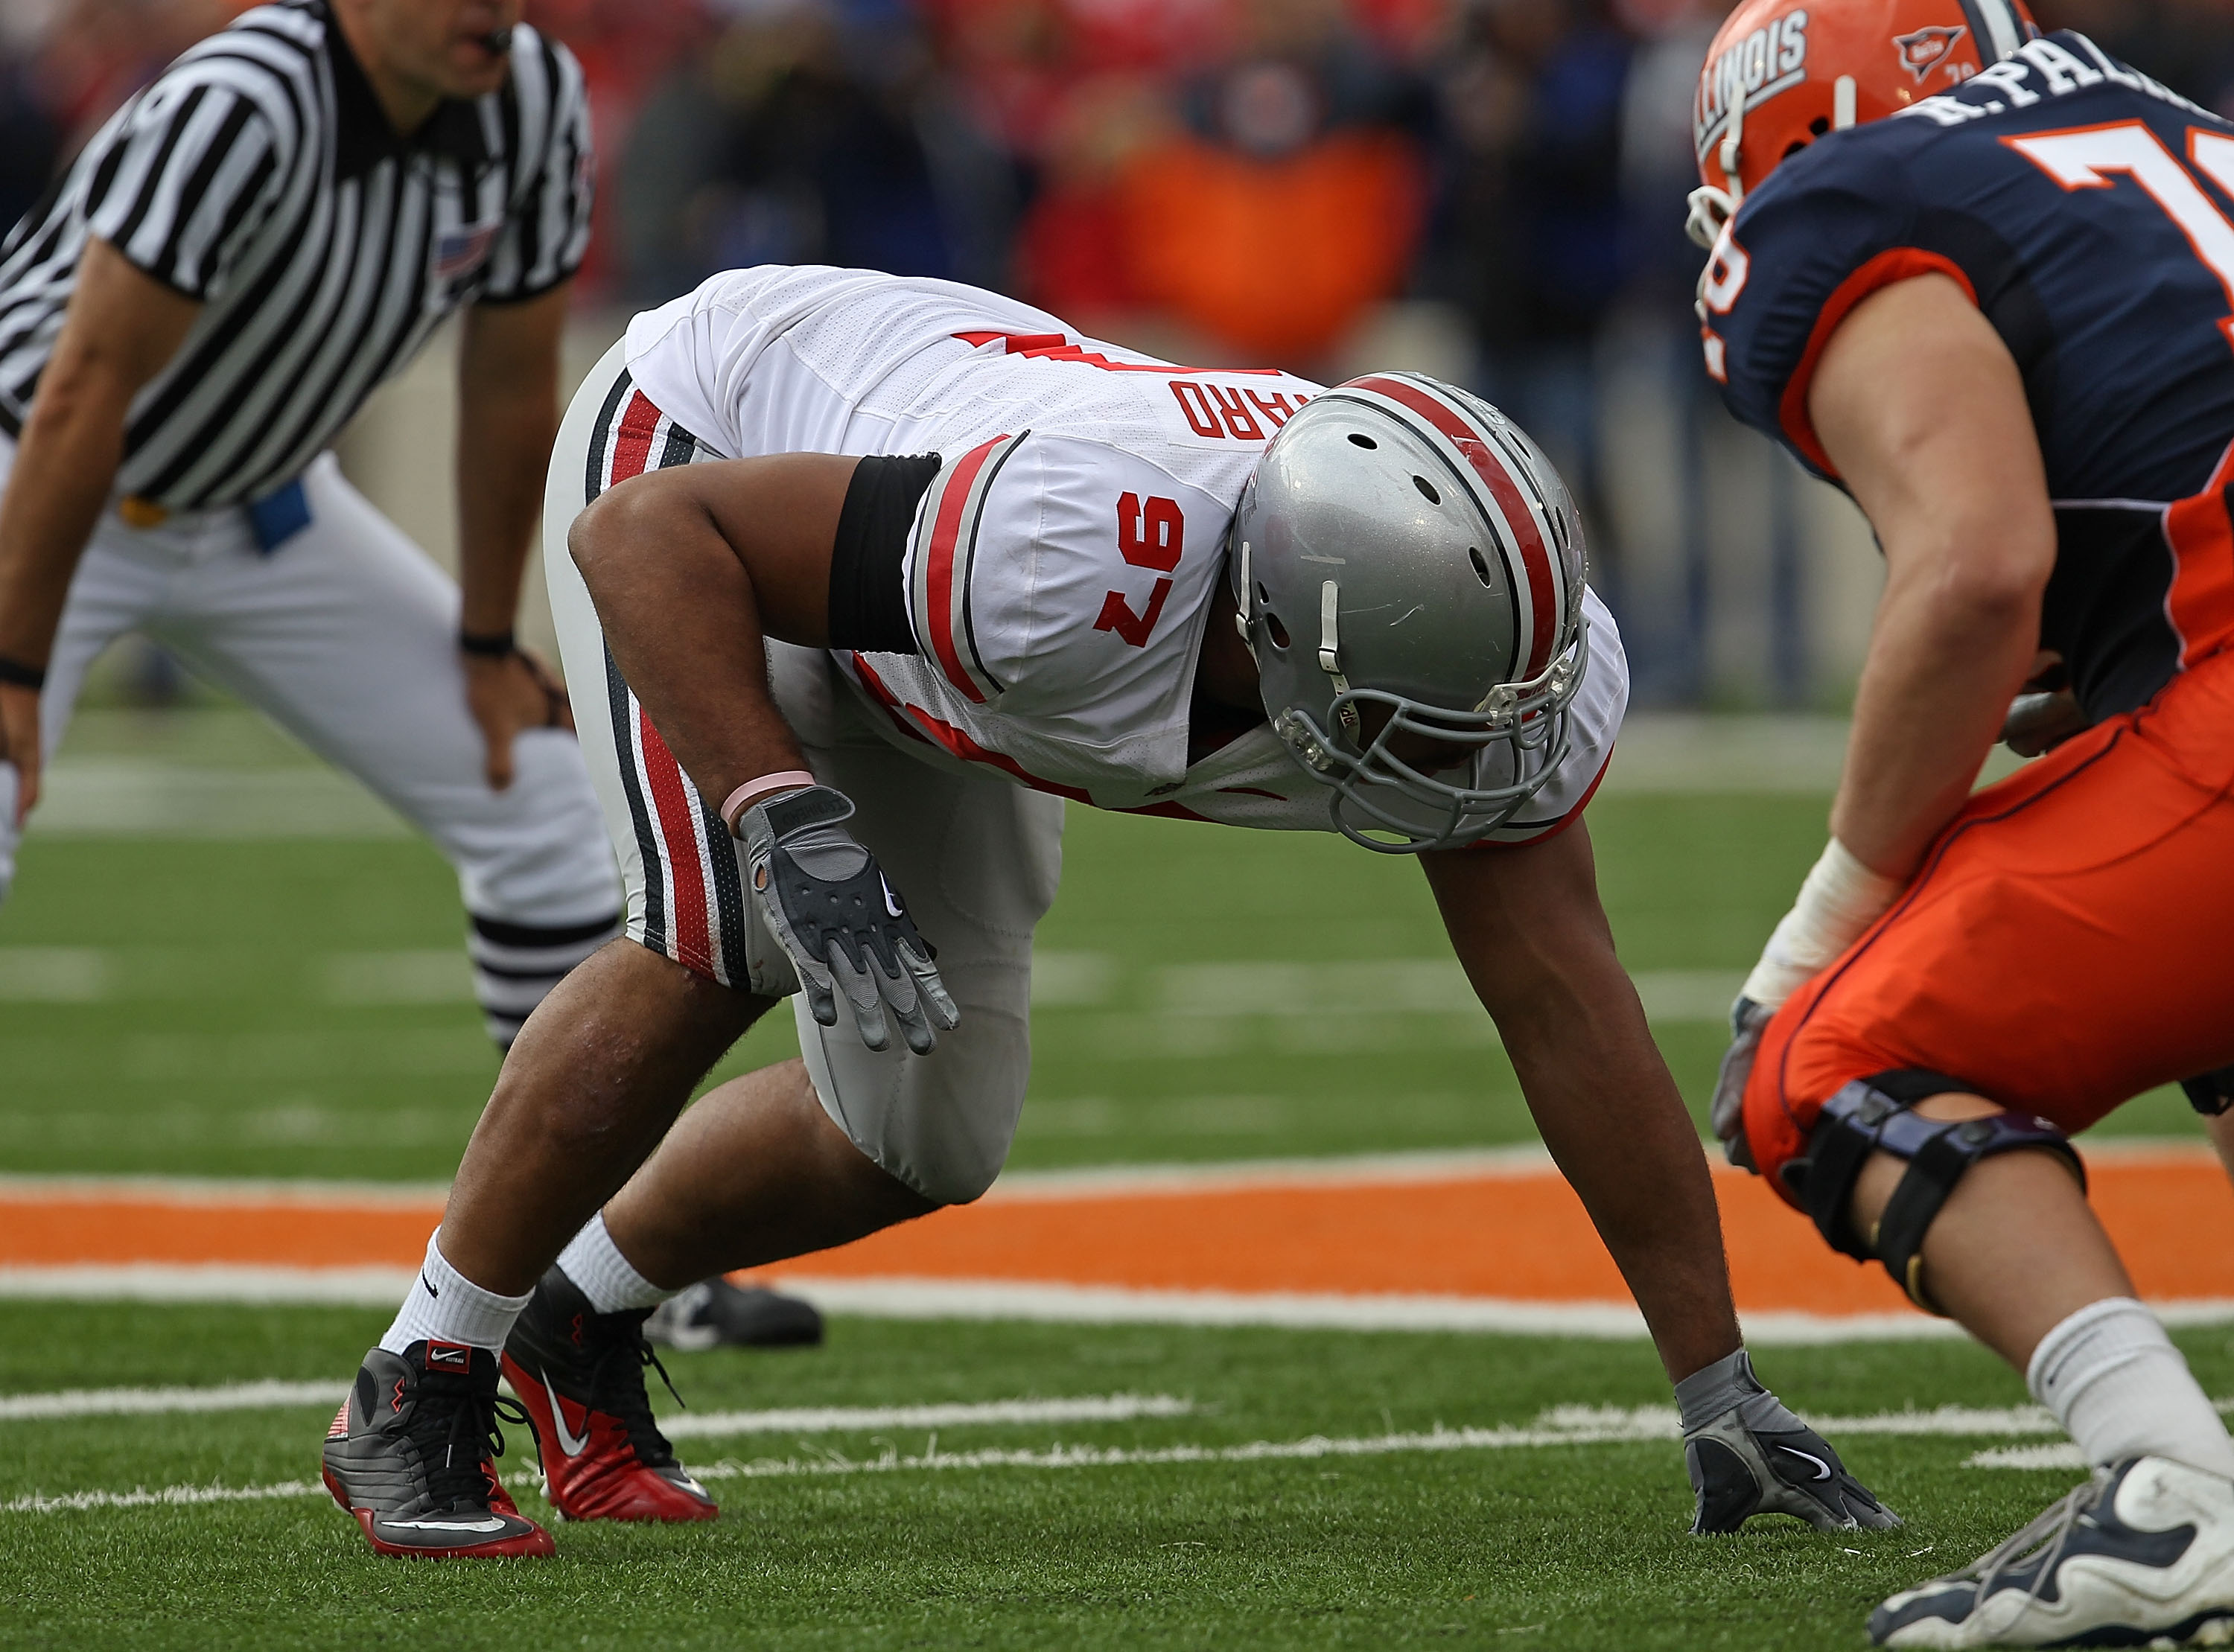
364, 137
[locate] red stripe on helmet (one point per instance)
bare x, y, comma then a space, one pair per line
1482, 454
938, 568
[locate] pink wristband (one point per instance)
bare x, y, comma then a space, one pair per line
751, 792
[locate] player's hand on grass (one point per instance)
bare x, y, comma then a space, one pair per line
1757, 1458
505, 694
830, 907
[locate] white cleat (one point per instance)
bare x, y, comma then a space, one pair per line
2141, 1554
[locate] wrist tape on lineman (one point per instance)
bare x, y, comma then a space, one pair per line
1841, 898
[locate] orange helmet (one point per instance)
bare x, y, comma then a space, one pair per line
1783, 73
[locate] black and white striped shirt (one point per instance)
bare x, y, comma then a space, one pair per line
259, 175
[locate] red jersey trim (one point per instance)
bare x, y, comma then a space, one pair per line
1888, 269
1558, 826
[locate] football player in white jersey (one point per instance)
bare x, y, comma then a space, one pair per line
870, 575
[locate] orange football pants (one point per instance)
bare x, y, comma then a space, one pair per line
2068, 943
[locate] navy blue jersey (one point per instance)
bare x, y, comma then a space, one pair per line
2089, 213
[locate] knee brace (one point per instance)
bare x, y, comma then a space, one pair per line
1873, 1115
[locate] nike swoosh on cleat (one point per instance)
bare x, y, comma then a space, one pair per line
891, 905
1822, 1468
569, 1442
443, 1526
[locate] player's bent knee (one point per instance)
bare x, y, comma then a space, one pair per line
1877, 1115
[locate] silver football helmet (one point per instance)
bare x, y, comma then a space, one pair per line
1409, 572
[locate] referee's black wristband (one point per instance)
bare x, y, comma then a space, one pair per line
494, 645
16, 674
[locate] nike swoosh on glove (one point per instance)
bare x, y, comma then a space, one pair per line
1747, 1021
1757, 1458
829, 906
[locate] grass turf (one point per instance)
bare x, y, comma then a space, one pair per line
219, 1050
1566, 1546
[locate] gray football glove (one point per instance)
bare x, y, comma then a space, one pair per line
1757, 1458
829, 905
9, 835
1747, 1020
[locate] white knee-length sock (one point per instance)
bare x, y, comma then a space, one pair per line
2113, 1379
444, 1306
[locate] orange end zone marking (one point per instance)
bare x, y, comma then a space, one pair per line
1514, 1237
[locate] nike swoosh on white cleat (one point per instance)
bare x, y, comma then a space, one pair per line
443, 1526
1822, 1468
569, 1442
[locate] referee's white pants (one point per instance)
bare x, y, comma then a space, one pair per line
346, 635
976, 858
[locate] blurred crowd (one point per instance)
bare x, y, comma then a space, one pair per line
1225, 181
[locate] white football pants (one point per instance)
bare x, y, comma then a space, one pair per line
976, 858
346, 635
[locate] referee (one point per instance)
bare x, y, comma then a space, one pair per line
239, 258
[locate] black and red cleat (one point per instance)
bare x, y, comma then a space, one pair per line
580, 1375
412, 1454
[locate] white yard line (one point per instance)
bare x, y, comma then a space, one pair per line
683, 1425
1045, 1303
156, 1402
1561, 1426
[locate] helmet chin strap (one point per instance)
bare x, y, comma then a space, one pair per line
1330, 653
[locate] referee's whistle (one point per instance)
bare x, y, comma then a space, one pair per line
498, 42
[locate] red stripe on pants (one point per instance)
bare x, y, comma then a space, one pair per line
687, 911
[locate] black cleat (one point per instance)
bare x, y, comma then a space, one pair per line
718, 1314
580, 1374
1757, 1458
412, 1454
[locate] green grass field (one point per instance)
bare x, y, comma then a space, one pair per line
293, 1008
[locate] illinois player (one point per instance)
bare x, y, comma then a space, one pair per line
835, 671
1982, 278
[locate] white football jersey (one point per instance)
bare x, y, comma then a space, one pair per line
1065, 561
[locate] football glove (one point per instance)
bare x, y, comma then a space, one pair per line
1757, 1458
829, 906
8, 834
1726, 1115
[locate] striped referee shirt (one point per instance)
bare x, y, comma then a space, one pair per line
260, 176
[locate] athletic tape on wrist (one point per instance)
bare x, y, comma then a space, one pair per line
789, 780
1840, 898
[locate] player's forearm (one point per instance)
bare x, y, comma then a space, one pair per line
683, 623
1947, 658
1610, 1113
1527, 925
504, 453
64, 469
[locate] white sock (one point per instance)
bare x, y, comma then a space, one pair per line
600, 1272
2113, 1379
445, 1306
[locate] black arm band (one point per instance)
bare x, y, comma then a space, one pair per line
868, 590
17, 674
494, 645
